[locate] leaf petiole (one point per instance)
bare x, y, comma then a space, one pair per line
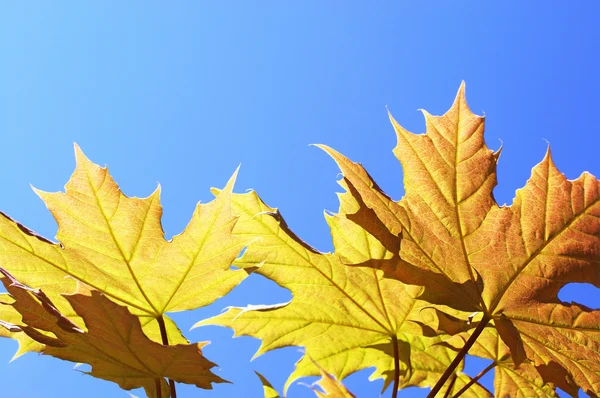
158, 388
475, 379
460, 356
165, 341
396, 366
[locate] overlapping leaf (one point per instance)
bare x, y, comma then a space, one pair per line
113, 344
428, 360
331, 387
347, 318
470, 253
268, 390
116, 245
523, 381
519, 381
9, 316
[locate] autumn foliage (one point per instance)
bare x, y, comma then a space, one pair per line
413, 286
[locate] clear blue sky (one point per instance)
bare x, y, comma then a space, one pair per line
181, 93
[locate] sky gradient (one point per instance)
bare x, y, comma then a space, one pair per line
181, 94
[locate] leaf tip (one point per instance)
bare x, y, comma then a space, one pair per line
79, 155
548, 155
335, 155
157, 191
38, 192
461, 100
400, 131
547, 147
231, 182
321, 146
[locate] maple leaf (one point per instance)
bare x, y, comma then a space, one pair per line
268, 390
10, 316
113, 344
332, 387
347, 318
508, 262
116, 245
429, 359
523, 381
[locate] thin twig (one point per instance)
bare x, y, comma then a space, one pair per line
165, 341
475, 379
459, 357
396, 367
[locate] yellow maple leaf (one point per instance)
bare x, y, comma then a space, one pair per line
115, 244
347, 318
430, 363
113, 344
507, 262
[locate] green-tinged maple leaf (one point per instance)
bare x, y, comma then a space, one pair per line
330, 299
268, 390
427, 359
347, 318
113, 343
508, 262
116, 245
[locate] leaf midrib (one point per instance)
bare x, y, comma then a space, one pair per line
114, 238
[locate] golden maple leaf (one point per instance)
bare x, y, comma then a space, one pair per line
115, 244
507, 262
113, 344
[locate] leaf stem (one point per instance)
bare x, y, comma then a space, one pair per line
460, 356
475, 379
158, 388
451, 386
165, 341
396, 367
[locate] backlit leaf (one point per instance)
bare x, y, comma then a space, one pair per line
116, 245
113, 344
523, 381
332, 388
507, 262
347, 318
8, 316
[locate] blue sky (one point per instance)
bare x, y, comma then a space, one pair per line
181, 93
